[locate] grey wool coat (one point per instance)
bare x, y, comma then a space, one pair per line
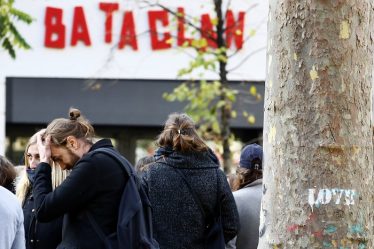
177, 220
248, 201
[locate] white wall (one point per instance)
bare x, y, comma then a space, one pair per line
101, 61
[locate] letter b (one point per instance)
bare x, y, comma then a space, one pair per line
54, 28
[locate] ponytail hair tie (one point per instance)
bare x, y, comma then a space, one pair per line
179, 132
74, 114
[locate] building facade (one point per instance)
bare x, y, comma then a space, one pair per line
114, 60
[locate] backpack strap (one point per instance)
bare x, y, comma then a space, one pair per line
125, 165
98, 230
119, 158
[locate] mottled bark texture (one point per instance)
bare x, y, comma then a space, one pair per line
318, 179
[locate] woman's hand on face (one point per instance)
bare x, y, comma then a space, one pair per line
44, 147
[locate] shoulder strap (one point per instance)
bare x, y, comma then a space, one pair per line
194, 195
197, 200
119, 158
97, 229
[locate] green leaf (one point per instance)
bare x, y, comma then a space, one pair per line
9, 35
251, 119
217, 84
215, 127
222, 58
221, 103
18, 39
253, 90
252, 32
231, 95
203, 43
20, 15
238, 32
169, 97
7, 45
184, 71
185, 44
214, 21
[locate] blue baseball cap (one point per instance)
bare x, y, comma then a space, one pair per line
249, 155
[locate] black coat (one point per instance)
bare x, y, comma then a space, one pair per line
95, 184
40, 235
177, 219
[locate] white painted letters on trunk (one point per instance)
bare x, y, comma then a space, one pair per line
325, 196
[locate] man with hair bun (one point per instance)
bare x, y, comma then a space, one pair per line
94, 186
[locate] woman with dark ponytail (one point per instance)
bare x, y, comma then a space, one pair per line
183, 157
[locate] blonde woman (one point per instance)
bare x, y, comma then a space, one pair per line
38, 235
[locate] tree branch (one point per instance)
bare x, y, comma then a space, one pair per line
175, 14
245, 59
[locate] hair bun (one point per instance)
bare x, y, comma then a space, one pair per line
74, 114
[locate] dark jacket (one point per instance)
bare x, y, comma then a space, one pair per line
40, 235
177, 219
95, 184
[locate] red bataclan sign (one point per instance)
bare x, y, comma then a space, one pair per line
55, 29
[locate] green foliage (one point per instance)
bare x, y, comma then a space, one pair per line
7, 45
253, 92
10, 38
210, 103
203, 102
206, 58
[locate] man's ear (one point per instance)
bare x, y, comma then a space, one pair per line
71, 142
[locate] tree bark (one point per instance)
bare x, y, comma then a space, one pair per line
318, 148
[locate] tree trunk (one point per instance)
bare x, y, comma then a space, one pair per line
318, 172
2, 114
225, 111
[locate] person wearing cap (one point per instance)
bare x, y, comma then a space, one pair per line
248, 193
